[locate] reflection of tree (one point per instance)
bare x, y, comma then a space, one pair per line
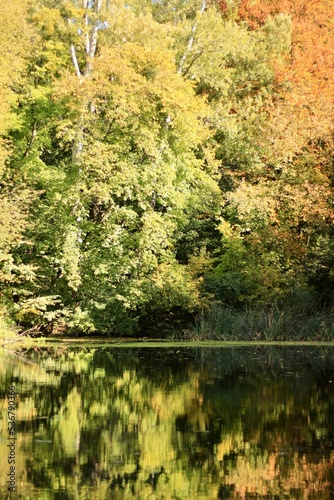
174, 423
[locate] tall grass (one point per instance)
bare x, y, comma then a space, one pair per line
292, 323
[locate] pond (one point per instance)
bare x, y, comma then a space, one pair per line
167, 422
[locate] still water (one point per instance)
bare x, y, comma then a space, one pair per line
167, 423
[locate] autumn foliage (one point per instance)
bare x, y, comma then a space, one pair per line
162, 158
310, 68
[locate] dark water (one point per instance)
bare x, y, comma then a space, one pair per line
168, 423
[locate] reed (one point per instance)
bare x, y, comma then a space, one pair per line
290, 323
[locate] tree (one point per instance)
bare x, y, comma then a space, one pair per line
299, 155
15, 198
127, 166
152, 152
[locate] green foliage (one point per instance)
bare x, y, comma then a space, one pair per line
133, 138
284, 322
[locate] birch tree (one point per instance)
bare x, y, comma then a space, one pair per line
125, 165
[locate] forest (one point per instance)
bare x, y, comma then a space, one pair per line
167, 168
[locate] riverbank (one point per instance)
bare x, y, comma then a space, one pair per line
288, 324
219, 324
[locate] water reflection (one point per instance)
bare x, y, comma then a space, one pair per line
170, 423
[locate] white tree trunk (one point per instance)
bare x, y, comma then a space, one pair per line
191, 40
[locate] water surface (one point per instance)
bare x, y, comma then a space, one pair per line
169, 423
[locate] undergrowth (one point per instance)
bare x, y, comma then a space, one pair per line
272, 324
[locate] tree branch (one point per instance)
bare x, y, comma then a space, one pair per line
75, 61
190, 41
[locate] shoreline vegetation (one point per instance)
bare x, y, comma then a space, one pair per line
167, 170
220, 324
291, 324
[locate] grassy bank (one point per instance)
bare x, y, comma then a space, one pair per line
288, 324
220, 323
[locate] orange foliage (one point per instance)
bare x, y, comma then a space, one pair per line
311, 68
301, 116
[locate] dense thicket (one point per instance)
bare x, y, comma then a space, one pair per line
161, 157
